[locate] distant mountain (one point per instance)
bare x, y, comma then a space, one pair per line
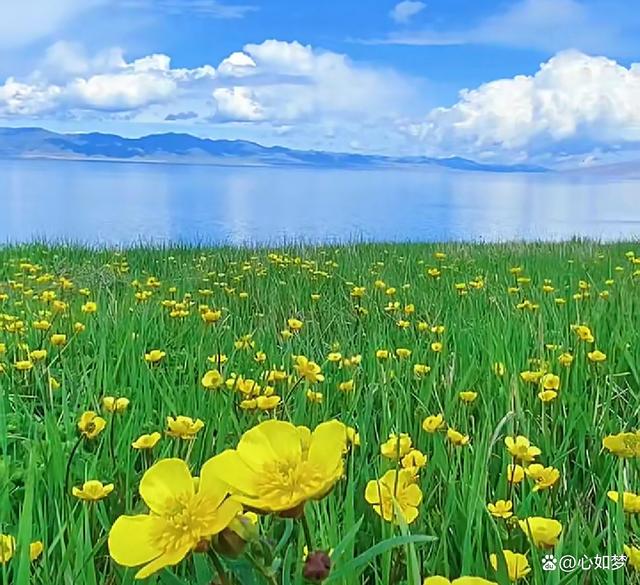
184, 148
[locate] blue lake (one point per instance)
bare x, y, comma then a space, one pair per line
122, 203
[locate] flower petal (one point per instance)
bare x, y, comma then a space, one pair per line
163, 481
230, 468
167, 559
270, 440
131, 539
328, 442
227, 511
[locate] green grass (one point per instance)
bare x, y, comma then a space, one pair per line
38, 425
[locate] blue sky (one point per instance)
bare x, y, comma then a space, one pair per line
549, 81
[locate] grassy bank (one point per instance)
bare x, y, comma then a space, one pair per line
496, 323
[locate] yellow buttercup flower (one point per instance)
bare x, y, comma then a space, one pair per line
547, 395
113, 404
521, 448
7, 548
91, 425
633, 554
625, 445
183, 427
89, 307
294, 324
420, 370
146, 441
630, 501
36, 548
501, 509
414, 459
58, 339
597, 356
550, 382
544, 532
515, 473
457, 438
397, 446
396, 492
544, 477
155, 356
433, 423
92, 491
308, 370
180, 517
467, 396
23, 365
212, 379
277, 466
516, 563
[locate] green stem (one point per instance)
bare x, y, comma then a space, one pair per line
217, 563
71, 456
307, 532
268, 575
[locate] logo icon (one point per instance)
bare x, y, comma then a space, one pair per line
549, 563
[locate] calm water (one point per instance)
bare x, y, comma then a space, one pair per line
128, 203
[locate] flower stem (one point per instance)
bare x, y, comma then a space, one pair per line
307, 532
71, 456
266, 573
215, 559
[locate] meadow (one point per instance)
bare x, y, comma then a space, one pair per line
375, 414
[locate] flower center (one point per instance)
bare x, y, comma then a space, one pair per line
186, 521
288, 480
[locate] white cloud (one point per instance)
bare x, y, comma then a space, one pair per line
203, 8
404, 11
545, 25
285, 82
575, 103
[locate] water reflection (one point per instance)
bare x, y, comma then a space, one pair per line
128, 203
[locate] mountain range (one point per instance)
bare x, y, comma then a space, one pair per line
37, 143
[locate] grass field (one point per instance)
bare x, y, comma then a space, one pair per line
539, 341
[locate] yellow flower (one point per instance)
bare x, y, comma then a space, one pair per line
346, 386
414, 459
42, 325
35, 550
468, 395
294, 324
633, 554
315, 397
531, 376
277, 466
499, 369
79, 327
544, 532
516, 563
515, 473
7, 548
433, 423
382, 354
38, 354
210, 316
547, 395
501, 509
395, 492
565, 359
550, 382
113, 404
91, 425
544, 477
92, 491
397, 446
353, 437
23, 365
89, 307
420, 370
521, 449
597, 356
436, 346
630, 501
623, 444
53, 383
334, 357
212, 379
459, 581
183, 427
308, 370
268, 402
154, 356
457, 438
403, 353
584, 333
180, 518
58, 339
146, 441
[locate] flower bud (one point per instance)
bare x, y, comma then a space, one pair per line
317, 566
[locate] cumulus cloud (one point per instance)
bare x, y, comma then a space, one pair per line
404, 11
574, 103
285, 82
